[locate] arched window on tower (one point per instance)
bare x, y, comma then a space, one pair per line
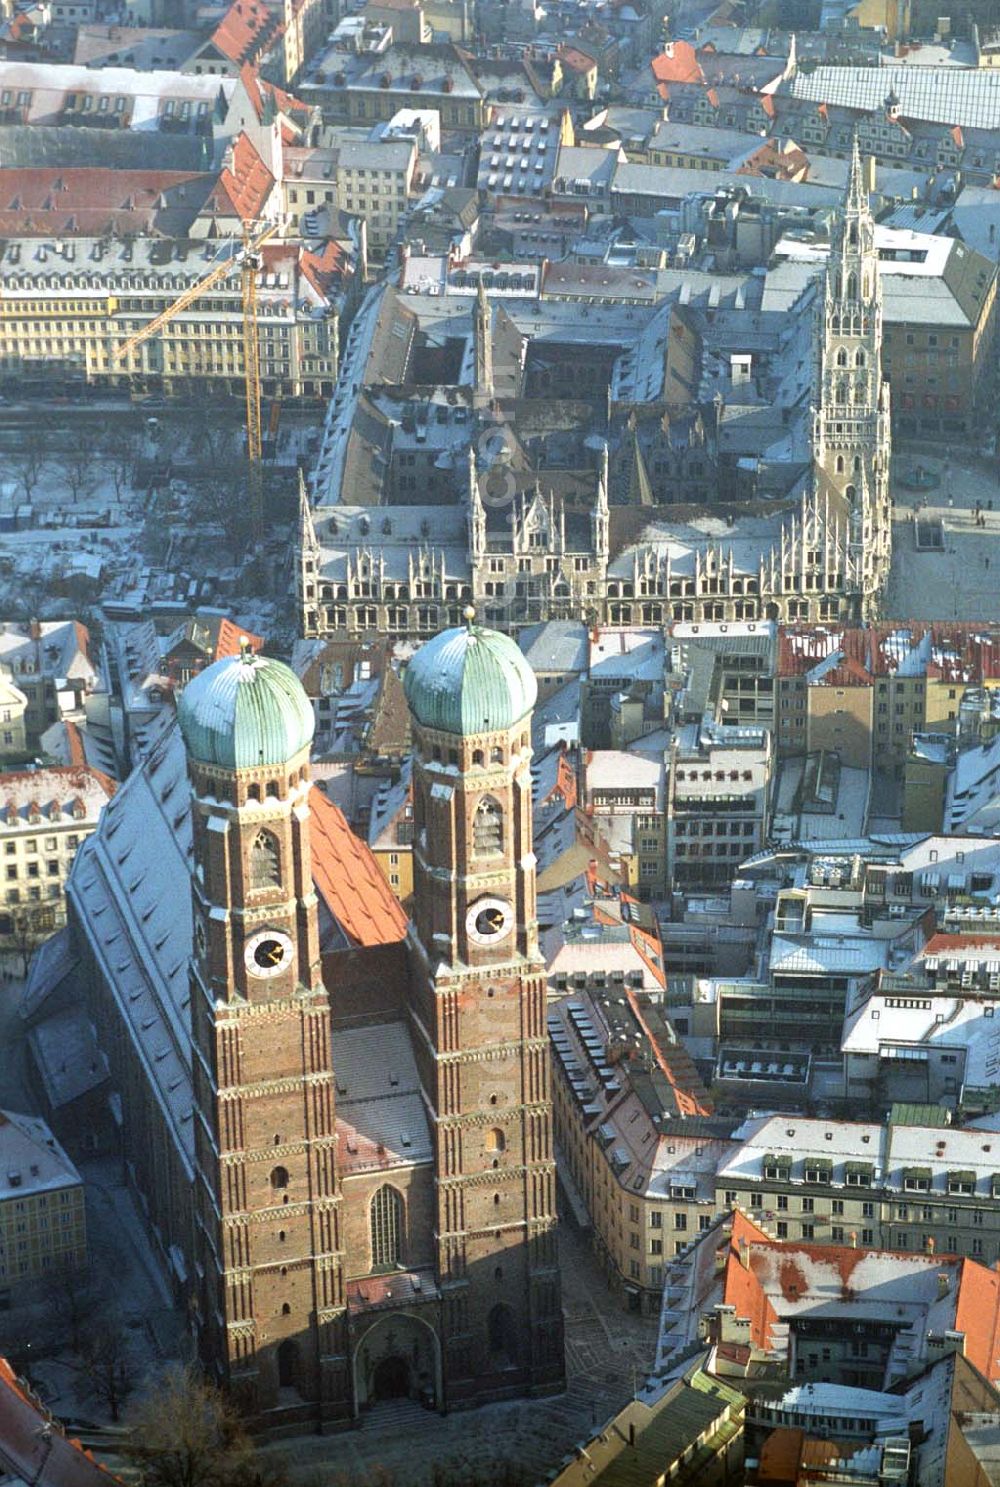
852, 286
852, 235
265, 866
387, 1216
842, 357
859, 358
840, 464
487, 827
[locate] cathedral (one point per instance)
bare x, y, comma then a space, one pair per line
598, 548
338, 1123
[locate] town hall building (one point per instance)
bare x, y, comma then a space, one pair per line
339, 1123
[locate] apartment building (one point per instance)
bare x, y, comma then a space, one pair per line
914, 1183
49, 664
374, 179
44, 816
624, 794
71, 304
719, 793
390, 834
365, 80
13, 731
855, 1315
43, 1226
637, 1147
862, 692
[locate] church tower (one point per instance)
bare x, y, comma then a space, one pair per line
478, 1015
270, 1310
851, 433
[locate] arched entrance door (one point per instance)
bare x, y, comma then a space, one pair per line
288, 1365
502, 1337
391, 1379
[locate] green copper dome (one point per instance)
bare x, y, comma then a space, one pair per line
245, 711
469, 680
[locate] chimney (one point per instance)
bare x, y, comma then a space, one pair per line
744, 1254
35, 629
930, 1244
944, 1282
853, 1237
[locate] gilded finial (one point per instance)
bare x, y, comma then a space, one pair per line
470, 614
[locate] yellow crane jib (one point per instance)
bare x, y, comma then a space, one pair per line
248, 260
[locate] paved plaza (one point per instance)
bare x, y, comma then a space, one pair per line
961, 579
608, 1351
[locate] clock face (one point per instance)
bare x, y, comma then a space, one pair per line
489, 920
267, 953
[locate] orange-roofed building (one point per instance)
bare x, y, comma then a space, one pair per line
329, 1108
34, 1447
863, 691
243, 193
677, 63
250, 34
851, 1315
200, 640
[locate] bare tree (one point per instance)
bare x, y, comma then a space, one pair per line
212, 435
224, 498
184, 1433
77, 464
72, 1299
123, 447
33, 454
108, 1365
28, 928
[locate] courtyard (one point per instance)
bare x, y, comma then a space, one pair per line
398, 1444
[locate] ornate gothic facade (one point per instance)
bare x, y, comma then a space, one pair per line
543, 552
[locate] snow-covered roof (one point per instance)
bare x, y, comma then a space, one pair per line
31, 1159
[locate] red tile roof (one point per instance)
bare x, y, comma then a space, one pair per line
940, 944
259, 91
678, 64
326, 269
229, 641
29, 1449
741, 1288
347, 876
977, 1314
575, 60
85, 199
244, 185
245, 29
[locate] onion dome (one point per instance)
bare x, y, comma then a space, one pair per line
470, 680
245, 712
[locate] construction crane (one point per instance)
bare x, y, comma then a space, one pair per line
248, 261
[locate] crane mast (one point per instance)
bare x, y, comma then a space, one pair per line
248, 260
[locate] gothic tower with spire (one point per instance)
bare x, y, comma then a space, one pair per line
851, 434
